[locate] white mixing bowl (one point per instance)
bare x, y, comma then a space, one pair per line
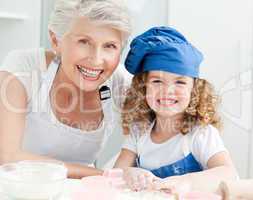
33, 180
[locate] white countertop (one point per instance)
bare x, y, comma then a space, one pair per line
69, 187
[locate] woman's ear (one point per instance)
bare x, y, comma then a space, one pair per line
54, 42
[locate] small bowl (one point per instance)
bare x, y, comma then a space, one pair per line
32, 180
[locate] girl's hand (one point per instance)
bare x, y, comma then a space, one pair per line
173, 184
139, 179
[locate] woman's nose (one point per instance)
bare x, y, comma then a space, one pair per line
97, 57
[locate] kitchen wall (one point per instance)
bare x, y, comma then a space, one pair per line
222, 29
19, 25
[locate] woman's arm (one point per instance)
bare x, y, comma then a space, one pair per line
75, 171
13, 105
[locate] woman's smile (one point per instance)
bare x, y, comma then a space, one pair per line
89, 74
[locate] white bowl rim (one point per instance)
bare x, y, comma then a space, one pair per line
59, 164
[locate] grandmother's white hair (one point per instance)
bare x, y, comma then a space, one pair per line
113, 13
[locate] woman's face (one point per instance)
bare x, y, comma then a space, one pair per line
90, 53
168, 94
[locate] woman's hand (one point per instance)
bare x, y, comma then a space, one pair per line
173, 184
139, 179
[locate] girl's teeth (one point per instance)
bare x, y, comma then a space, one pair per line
167, 101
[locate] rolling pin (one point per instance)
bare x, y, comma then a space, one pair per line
237, 190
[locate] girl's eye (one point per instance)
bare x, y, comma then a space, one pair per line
181, 82
111, 46
156, 81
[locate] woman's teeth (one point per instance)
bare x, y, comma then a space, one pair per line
88, 72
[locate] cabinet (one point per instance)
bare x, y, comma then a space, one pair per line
223, 30
19, 25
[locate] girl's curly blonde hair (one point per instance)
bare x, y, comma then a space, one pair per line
202, 109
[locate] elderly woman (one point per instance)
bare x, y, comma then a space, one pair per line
58, 104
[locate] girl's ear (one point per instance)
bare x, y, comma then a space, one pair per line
54, 42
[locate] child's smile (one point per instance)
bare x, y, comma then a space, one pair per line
168, 94
167, 102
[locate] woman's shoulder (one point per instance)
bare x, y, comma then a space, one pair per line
26, 65
24, 60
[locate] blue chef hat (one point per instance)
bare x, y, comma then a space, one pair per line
163, 49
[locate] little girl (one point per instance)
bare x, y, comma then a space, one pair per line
170, 117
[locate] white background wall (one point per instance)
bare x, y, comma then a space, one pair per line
222, 29
15, 31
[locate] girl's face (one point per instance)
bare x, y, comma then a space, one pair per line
90, 52
168, 94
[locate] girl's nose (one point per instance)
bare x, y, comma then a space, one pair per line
171, 89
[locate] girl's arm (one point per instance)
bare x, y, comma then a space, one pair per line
13, 105
125, 159
220, 168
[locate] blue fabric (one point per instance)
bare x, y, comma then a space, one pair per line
184, 166
163, 49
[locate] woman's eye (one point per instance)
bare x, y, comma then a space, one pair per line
111, 46
181, 82
83, 41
